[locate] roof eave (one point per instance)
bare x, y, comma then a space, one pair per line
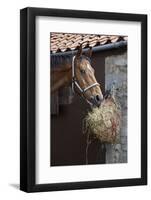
116, 45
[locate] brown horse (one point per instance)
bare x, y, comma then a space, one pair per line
80, 74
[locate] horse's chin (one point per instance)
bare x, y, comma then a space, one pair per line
93, 104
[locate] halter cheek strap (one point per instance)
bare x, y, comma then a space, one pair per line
75, 83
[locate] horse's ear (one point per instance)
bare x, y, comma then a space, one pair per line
89, 52
79, 52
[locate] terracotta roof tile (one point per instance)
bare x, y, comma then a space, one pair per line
61, 42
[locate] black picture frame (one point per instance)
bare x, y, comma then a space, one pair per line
28, 98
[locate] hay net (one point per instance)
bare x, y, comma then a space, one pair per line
104, 122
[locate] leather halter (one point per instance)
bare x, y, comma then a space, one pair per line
75, 83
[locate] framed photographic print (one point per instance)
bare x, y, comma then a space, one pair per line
83, 99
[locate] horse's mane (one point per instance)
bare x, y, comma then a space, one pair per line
63, 62
58, 61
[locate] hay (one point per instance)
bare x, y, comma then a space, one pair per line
104, 122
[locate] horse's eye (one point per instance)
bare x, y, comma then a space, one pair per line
82, 71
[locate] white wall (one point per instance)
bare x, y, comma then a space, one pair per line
9, 99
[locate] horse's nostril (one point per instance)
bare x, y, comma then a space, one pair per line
98, 98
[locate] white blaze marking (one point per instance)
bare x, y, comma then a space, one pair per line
88, 66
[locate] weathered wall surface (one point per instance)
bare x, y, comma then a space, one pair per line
116, 71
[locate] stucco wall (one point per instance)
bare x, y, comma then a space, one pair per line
116, 71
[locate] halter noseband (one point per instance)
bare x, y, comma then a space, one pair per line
75, 83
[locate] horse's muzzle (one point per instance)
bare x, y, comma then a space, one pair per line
96, 100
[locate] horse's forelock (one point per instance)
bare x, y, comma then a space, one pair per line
80, 58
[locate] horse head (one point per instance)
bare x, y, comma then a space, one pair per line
83, 78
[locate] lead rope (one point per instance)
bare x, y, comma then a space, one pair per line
75, 83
